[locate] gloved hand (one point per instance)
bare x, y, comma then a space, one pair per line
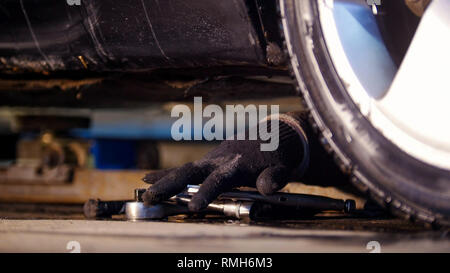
236, 163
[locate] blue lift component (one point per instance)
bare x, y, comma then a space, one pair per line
112, 154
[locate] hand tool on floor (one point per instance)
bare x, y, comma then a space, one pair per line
236, 209
237, 204
135, 209
294, 200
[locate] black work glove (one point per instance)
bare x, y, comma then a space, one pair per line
236, 163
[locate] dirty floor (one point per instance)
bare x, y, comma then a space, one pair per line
50, 228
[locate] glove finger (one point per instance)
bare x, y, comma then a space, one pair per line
272, 179
153, 177
219, 181
174, 183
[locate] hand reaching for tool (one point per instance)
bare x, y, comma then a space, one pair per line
236, 163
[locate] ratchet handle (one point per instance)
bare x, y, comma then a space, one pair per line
298, 201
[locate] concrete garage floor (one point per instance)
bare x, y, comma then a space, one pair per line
56, 233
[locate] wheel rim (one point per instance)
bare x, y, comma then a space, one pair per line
408, 105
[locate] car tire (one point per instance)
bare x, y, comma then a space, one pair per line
397, 181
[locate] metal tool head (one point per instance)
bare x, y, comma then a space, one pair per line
238, 210
136, 211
